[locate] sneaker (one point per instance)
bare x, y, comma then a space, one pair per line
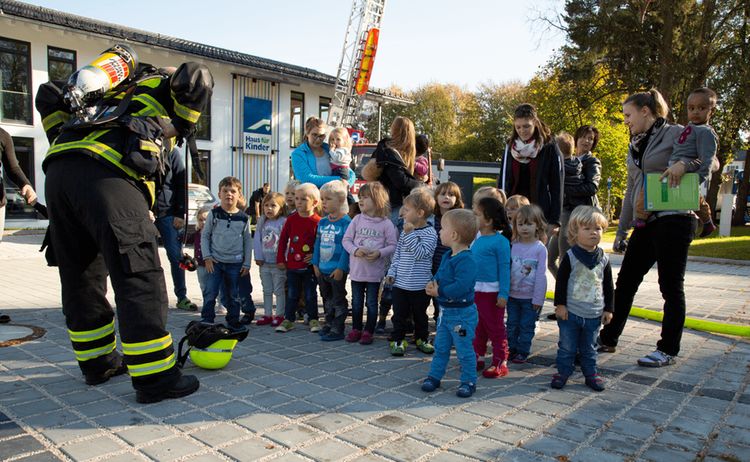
380, 327
366, 338
221, 310
559, 381
430, 384
708, 228
264, 321
656, 359
277, 320
325, 330
332, 336
602, 348
480, 364
595, 382
494, 372
425, 347
398, 348
285, 326
186, 305
186, 385
117, 367
354, 336
236, 327
519, 358
465, 390
247, 319
314, 325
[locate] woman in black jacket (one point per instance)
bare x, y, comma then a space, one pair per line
532, 165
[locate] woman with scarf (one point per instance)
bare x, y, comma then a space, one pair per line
665, 238
531, 165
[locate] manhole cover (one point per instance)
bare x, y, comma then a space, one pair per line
13, 334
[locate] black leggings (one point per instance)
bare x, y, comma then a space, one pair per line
664, 241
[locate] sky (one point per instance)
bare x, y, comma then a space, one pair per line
465, 42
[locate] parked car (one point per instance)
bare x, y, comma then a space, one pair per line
198, 196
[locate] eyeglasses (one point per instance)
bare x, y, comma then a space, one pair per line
318, 136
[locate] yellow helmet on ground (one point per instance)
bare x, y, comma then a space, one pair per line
209, 345
215, 356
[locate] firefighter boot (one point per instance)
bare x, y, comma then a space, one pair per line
115, 367
185, 385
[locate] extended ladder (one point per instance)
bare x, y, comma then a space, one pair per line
364, 25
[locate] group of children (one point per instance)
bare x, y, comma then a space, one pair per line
474, 264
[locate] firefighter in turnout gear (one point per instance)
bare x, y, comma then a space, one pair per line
102, 172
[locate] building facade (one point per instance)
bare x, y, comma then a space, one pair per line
254, 122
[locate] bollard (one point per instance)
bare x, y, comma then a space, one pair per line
727, 204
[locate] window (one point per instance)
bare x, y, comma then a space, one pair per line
297, 119
205, 160
17, 206
324, 106
60, 63
15, 82
203, 126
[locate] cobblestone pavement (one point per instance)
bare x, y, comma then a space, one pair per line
290, 397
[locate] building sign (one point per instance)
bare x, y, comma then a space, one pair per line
257, 126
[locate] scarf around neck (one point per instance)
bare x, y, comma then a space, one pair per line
524, 152
639, 142
589, 259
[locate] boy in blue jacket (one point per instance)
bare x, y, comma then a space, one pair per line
453, 285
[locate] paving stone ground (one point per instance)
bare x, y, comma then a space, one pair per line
290, 397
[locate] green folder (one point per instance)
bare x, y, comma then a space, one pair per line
659, 196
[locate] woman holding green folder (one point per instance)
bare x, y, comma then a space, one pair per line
664, 239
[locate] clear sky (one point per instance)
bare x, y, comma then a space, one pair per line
464, 42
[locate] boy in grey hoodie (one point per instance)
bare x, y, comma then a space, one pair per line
227, 249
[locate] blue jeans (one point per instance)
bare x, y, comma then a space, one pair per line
244, 291
456, 327
305, 278
173, 245
520, 324
225, 277
577, 334
360, 290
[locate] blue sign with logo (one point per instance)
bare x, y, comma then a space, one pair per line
257, 116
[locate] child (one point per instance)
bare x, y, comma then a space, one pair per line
266, 246
295, 254
340, 156
289, 196
491, 252
528, 282
370, 240
489, 191
696, 147
514, 203
447, 197
411, 270
226, 248
453, 285
573, 169
584, 297
330, 259
200, 218
421, 168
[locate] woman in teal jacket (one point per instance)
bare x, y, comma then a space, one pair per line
310, 161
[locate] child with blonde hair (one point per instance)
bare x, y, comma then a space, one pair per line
266, 246
340, 155
200, 221
584, 297
514, 203
489, 191
289, 196
330, 259
453, 285
295, 254
370, 240
528, 281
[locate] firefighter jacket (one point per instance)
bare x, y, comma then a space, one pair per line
133, 144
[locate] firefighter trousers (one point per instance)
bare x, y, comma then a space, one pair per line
99, 225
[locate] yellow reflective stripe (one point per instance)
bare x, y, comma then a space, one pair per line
89, 335
185, 112
139, 370
57, 117
147, 145
142, 348
151, 83
95, 135
85, 355
99, 149
151, 103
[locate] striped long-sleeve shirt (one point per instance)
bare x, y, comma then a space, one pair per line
412, 263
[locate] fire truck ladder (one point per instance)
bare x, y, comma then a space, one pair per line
365, 15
